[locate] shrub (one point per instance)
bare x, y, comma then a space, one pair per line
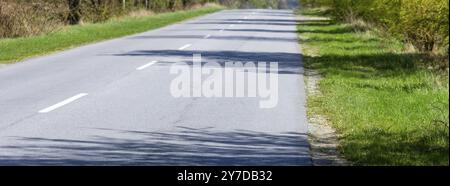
423, 23
176, 4
25, 19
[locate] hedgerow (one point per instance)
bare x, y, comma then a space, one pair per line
423, 23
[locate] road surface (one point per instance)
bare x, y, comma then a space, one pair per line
110, 103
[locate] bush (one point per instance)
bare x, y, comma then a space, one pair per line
98, 10
423, 23
159, 5
176, 5
27, 19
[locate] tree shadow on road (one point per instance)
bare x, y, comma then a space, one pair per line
237, 30
185, 146
226, 38
288, 63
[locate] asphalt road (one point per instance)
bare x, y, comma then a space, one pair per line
110, 103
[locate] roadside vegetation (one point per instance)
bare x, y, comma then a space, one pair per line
19, 18
384, 92
16, 49
422, 23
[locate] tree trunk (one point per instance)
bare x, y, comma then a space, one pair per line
74, 12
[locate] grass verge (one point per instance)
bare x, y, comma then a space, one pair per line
16, 49
386, 109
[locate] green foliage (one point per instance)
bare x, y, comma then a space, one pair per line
424, 23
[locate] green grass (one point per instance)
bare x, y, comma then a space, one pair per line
386, 108
16, 49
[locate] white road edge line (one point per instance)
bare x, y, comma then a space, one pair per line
146, 65
185, 46
207, 36
62, 103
